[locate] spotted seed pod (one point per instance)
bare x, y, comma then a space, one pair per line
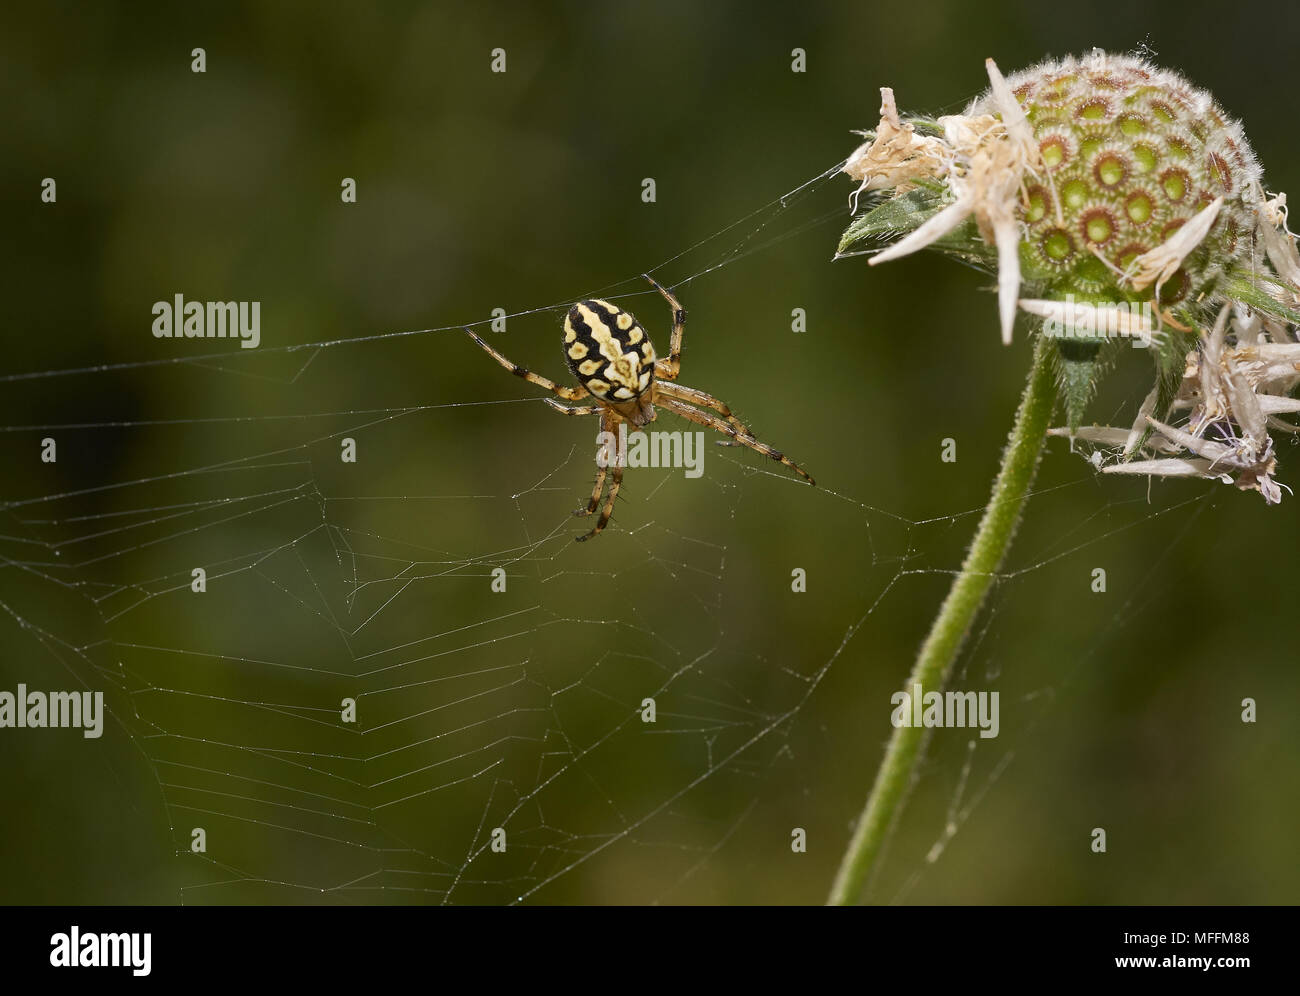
1129, 154
1112, 199
1102, 191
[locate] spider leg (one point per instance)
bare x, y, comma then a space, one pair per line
673, 365
594, 504
567, 393
608, 423
608, 510
587, 410
696, 397
721, 425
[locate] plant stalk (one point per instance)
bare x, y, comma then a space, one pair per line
953, 623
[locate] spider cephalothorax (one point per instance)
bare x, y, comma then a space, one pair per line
611, 355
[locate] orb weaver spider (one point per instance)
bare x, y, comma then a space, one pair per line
615, 364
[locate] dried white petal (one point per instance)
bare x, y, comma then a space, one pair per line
1167, 468
1103, 435
1013, 117
1093, 320
1244, 404
1140, 423
1006, 233
896, 156
1201, 447
1159, 264
1280, 352
1270, 404
1279, 243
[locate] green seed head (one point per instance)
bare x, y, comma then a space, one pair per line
1101, 190
1129, 153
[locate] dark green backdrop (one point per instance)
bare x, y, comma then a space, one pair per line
522, 190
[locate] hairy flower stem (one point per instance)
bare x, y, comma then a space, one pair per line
950, 626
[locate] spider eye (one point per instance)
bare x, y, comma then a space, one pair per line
608, 350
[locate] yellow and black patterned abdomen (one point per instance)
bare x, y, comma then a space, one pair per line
608, 351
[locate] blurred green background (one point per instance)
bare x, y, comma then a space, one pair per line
522, 191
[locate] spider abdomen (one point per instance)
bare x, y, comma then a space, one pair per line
608, 351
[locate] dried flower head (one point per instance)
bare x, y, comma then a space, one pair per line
1098, 187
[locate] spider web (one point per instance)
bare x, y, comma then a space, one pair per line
519, 710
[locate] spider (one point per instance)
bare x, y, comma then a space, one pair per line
611, 356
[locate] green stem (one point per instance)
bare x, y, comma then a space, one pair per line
950, 626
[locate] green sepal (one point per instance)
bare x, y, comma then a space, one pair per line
1080, 364
1242, 287
891, 218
